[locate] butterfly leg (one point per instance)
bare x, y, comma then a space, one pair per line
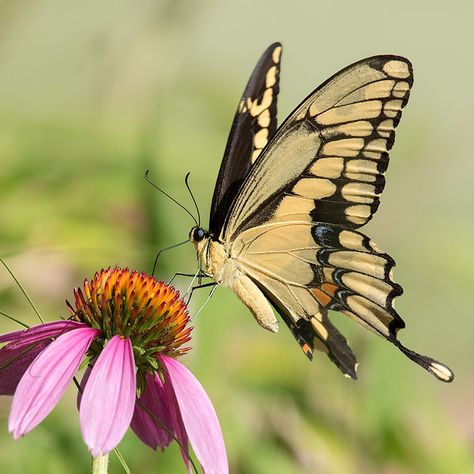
188, 275
189, 294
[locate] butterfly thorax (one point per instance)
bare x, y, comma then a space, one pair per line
213, 257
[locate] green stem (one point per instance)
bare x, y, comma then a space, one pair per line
100, 464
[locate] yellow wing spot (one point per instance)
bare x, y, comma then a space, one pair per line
293, 205
374, 155
346, 147
319, 328
400, 89
264, 118
392, 107
276, 54
379, 145
257, 108
358, 192
369, 310
270, 78
358, 210
314, 188
364, 263
368, 178
352, 241
255, 155
241, 106
397, 69
261, 138
362, 166
374, 289
385, 128
347, 113
361, 128
357, 214
328, 167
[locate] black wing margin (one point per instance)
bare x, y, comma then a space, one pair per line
254, 124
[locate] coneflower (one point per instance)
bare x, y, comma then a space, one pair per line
128, 329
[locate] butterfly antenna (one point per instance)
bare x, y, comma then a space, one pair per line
186, 179
168, 196
164, 250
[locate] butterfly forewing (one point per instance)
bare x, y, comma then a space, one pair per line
329, 156
255, 123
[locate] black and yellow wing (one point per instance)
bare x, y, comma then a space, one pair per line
292, 226
255, 123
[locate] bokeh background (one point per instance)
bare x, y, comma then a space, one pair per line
93, 93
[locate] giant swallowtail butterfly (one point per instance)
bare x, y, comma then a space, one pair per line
289, 201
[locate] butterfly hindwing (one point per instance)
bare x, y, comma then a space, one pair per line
255, 123
307, 268
329, 157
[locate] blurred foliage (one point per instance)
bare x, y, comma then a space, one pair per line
94, 93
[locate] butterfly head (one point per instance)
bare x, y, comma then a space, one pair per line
201, 240
198, 234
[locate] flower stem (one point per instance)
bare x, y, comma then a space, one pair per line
100, 464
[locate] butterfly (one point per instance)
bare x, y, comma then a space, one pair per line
288, 203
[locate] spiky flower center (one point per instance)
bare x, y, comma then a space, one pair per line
137, 306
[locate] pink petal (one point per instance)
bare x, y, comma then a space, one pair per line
109, 396
154, 399
176, 420
17, 356
41, 331
43, 384
14, 361
199, 417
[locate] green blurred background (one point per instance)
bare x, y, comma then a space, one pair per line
92, 93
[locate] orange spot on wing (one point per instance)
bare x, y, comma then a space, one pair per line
306, 348
322, 297
329, 288
325, 293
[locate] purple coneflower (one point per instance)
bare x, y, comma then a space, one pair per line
128, 329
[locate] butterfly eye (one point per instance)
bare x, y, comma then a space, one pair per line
198, 234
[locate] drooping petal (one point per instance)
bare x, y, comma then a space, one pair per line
24, 347
43, 384
153, 402
109, 396
177, 420
199, 417
14, 361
